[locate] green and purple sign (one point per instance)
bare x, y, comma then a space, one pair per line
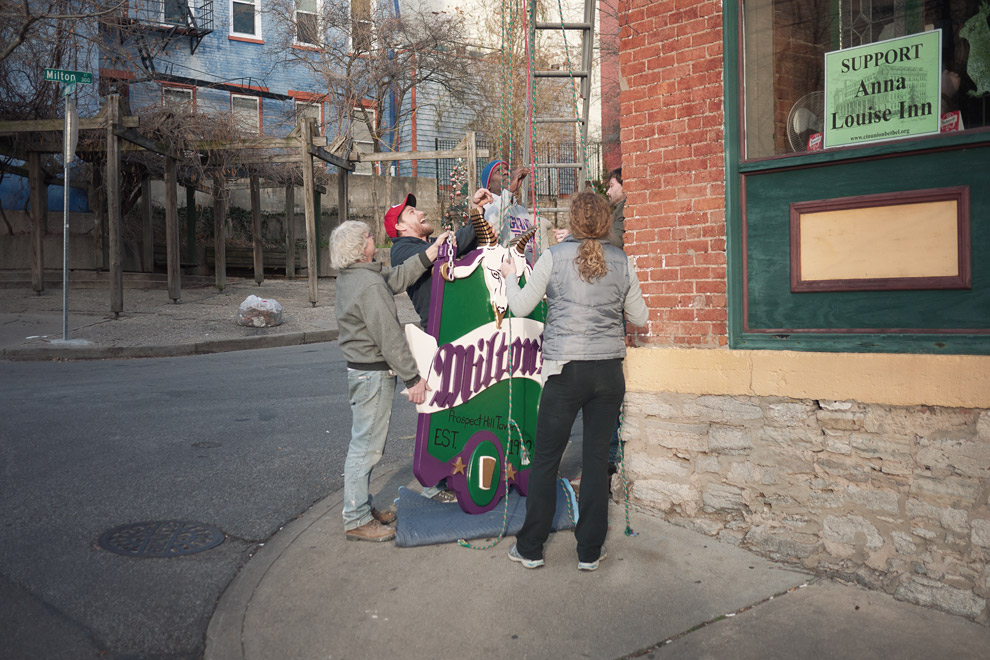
886, 90
478, 423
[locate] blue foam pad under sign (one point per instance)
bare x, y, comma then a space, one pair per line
422, 521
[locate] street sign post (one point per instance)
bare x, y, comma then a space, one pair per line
70, 79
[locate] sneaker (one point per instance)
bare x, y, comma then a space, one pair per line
384, 517
592, 565
528, 563
372, 531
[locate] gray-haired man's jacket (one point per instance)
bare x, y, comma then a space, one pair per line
371, 337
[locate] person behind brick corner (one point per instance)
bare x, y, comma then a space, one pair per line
374, 345
617, 238
618, 199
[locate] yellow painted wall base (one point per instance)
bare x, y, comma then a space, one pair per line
961, 381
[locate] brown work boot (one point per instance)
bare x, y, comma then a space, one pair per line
372, 531
384, 517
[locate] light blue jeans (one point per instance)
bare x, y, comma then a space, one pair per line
371, 394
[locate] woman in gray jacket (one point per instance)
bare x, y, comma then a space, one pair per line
589, 285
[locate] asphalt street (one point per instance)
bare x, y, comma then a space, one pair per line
243, 441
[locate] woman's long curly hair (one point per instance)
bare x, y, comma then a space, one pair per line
591, 220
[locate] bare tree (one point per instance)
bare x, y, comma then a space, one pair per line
24, 20
369, 60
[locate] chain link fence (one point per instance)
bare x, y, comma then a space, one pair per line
552, 184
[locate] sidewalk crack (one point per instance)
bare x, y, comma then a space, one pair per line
721, 617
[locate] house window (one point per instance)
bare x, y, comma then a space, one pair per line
361, 26
110, 84
178, 98
311, 111
307, 22
246, 111
784, 46
245, 17
176, 12
364, 142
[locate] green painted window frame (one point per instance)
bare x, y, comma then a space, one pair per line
736, 167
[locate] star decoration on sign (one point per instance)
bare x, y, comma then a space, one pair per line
459, 466
510, 472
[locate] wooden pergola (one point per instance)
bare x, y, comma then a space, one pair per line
300, 146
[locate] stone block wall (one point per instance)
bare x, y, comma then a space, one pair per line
896, 498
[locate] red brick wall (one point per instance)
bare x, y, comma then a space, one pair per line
670, 54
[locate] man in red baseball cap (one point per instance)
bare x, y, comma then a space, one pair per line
409, 230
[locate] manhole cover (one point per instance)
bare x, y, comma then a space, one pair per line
169, 538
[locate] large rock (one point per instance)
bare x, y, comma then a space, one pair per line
257, 312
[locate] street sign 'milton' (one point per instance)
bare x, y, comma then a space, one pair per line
63, 76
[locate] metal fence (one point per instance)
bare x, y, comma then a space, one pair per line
552, 184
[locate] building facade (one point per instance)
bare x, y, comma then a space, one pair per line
814, 381
249, 59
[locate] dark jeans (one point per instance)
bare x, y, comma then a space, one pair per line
595, 387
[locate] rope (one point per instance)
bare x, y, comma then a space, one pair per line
508, 94
529, 25
524, 460
622, 469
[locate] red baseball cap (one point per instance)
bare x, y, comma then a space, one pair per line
392, 215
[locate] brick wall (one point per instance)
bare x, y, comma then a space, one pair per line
672, 131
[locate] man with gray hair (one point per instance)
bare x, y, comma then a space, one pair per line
374, 345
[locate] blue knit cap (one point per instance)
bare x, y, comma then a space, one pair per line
486, 174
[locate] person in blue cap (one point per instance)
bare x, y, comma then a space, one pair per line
508, 219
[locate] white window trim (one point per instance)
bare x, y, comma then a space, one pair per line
312, 104
256, 99
175, 88
319, 27
351, 26
257, 19
355, 112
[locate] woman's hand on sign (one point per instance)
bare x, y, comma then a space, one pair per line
508, 268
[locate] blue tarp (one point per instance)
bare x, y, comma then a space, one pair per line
422, 521
15, 192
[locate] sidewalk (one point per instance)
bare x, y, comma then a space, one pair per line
665, 593
151, 325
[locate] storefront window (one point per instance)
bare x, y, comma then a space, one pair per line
785, 41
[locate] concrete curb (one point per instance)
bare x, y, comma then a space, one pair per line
224, 636
53, 352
